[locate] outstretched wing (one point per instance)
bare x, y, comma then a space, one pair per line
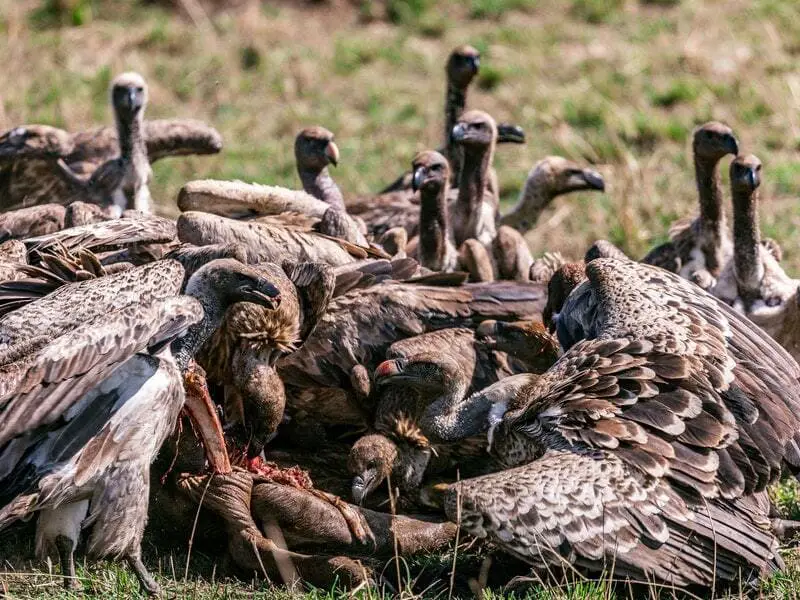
670, 380
55, 399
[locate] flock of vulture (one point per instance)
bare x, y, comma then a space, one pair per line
334, 380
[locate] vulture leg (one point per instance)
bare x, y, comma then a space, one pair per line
146, 580
66, 549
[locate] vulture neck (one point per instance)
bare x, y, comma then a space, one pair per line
471, 187
454, 103
712, 215
214, 300
130, 131
747, 240
321, 185
451, 417
532, 201
434, 227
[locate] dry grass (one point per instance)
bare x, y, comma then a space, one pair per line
619, 83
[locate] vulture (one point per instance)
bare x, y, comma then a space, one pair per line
314, 150
753, 282
419, 371
92, 384
648, 446
329, 378
268, 204
461, 68
39, 163
699, 248
271, 242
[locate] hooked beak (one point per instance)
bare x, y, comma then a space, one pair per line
332, 153
204, 417
753, 179
475, 63
388, 370
459, 132
589, 179
418, 179
732, 145
362, 486
508, 133
269, 298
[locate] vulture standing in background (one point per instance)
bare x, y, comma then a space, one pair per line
92, 385
314, 150
648, 446
753, 282
700, 247
39, 163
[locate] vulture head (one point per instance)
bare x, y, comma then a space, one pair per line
427, 371
556, 175
129, 94
528, 341
713, 140
431, 171
745, 176
475, 128
371, 460
240, 282
314, 149
462, 66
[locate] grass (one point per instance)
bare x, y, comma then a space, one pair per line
617, 83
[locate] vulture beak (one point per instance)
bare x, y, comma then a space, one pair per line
268, 296
731, 144
459, 132
363, 485
475, 63
753, 179
204, 417
419, 178
592, 180
508, 133
388, 370
332, 153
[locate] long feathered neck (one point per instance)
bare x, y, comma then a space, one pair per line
471, 187
747, 240
451, 417
321, 185
533, 199
434, 227
131, 137
710, 192
454, 103
215, 301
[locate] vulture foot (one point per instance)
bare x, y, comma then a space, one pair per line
146, 581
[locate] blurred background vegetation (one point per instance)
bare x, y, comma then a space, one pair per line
617, 83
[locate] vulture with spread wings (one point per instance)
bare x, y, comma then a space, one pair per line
647, 448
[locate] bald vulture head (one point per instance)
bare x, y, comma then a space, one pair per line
431, 171
558, 175
129, 94
745, 175
713, 140
314, 149
371, 460
475, 128
462, 66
